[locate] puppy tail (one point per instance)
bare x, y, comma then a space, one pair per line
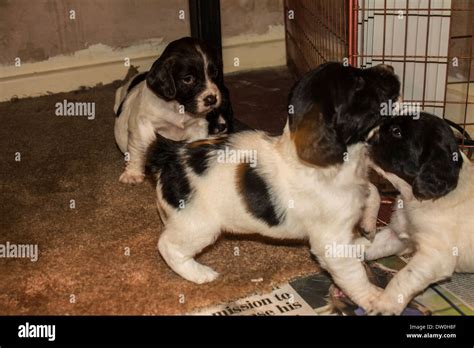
161, 153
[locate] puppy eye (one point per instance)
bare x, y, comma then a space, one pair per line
188, 79
396, 132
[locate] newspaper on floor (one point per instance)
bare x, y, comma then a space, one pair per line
461, 286
317, 295
283, 300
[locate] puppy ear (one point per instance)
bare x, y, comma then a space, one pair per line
316, 142
385, 67
160, 79
438, 175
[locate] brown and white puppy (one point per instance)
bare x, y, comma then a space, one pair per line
282, 186
182, 97
434, 213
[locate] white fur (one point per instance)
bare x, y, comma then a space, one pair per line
211, 88
441, 233
328, 204
143, 114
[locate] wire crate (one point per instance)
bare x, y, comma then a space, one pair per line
428, 42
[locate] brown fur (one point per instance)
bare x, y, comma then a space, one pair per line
315, 142
211, 141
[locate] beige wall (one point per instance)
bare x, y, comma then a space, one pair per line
250, 16
61, 54
36, 30
252, 31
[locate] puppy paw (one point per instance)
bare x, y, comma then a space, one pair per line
369, 227
129, 177
380, 247
200, 274
370, 253
384, 305
362, 241
372, 296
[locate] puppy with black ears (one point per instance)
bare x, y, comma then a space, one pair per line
433, 215
350, 100
182, 97
297, 185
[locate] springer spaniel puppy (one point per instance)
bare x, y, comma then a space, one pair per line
182, 97
348, 122
434, 213
308, 183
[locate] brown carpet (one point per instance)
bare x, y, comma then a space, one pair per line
82, 250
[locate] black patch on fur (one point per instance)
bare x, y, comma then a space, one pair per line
119, 110
421, 152
225, 110
164, 161
136, 80
256, 195
200, 152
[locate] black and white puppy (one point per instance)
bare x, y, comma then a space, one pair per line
433, 215
350, 100
282, 186
182, 97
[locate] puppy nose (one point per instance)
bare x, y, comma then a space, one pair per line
210, 100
